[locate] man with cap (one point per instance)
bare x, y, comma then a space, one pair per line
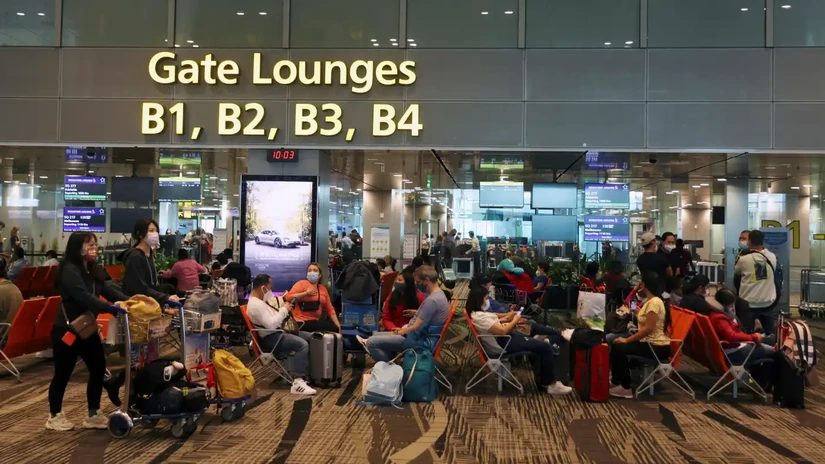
651, 260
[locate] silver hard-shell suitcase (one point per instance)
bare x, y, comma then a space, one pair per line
326, 359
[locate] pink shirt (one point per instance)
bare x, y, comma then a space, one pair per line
186, 271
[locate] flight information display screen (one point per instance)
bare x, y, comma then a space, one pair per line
501, 194
607, 228
607, 196
179, 189
84, 219
87, 154
91, 188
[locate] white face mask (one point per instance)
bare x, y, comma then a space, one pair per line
669, 247
267, 294
486, 306
707, 292
153, 240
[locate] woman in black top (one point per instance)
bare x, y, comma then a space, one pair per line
140, 277
80, 282
695, 290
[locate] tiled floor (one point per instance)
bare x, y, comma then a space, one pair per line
482, 426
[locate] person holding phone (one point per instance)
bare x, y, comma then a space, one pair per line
488, 323
81, 282
312, 300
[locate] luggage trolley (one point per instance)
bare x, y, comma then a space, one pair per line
812, 297
122, 422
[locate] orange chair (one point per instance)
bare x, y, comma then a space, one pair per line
38, 282
681, 324
18, 336
48, 283
115, 272
496, 362
264, 359
43, 327
387, 281
439, 376
24, 281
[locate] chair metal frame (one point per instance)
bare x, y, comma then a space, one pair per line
665, 371
6, 363
738, 373
268, 359
500, 366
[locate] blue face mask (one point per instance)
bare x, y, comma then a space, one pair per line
313, 277
743, 245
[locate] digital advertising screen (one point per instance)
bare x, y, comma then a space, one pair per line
502, 162
84, 219
607, 228
502, 194
607, 196
548, 195
555, 228
278, 226
183, 158
87, 154
89, 188
136, 189
179, 189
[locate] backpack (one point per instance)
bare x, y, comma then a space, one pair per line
778, 278
383, 385
234, 379
227, 290
203, 302
419, 374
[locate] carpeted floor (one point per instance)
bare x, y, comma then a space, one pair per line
482, 426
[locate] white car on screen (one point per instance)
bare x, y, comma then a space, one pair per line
271, 237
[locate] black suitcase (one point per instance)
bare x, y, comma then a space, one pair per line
789, 384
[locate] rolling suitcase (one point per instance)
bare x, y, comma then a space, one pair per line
591, 373
326, 359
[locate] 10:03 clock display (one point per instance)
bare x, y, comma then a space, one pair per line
280, 156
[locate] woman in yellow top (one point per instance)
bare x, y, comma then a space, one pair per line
654, 321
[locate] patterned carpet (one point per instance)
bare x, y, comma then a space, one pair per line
482, 426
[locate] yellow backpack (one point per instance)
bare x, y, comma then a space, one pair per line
234, 379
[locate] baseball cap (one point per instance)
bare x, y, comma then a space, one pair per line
646, 238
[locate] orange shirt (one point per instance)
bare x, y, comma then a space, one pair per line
322, 297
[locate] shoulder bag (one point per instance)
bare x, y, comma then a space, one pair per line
85, 325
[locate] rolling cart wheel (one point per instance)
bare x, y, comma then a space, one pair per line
120, 425
240, 411
228, 413
190, 427
177, 428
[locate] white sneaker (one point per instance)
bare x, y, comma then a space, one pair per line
45, 354
300, 387
98, 421
558, 388
362, 341
59, 423
620, 392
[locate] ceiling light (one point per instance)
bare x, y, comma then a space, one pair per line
21, 14
176, 45
190, 173
240, 13
744, 9
130, 159
654, 211
689, 204
393, 40
413, 45
485, 12
794, 188
508, 12
190, 41
704, 185
816, 196
44, 177
262, 13
629, 42
410, 40
373, 40
696, 186
236, 195
196, 46
652, 197
807, 185
41, 14
375, 45
722, 179
397, 175
608, 43
786, 7
395, 44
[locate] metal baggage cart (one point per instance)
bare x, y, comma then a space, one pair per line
812, 294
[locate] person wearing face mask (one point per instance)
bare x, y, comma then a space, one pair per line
263, 316
432, 312
403, 303
487, 323
649, 341
695, 293
651, 260
668, 250
484, 281
81, 282
140, 276
311, 302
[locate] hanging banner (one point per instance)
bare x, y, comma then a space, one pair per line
379, 241
778, 241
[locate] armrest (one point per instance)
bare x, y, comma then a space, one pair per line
495, 338
747, 358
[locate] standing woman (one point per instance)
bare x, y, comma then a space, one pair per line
80, 282
311, 302
14, 239
140, 277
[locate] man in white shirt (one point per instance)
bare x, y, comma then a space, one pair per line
266, 317
755, 272
475, 252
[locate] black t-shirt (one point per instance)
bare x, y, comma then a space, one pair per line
653, 262
673, 258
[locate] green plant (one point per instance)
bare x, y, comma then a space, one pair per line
562, 274
163, 262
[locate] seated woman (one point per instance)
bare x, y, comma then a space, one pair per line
590, 276
726, 325
542, 280
517, 276
220, 263
186, 271
263, 316
382, 264
402, 304
311, 301
649, 340
389, 264
487, 323
695, 292
484, 281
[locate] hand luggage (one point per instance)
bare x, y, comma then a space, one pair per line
419, 383
227, 290
382, 386
563, 363
326, 359
234, 379
592, 373
789, 384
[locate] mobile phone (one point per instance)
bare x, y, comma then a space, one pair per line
293, 300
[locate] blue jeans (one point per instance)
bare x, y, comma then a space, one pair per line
608, 338
385, 346
543, 364
297, 363
760, 351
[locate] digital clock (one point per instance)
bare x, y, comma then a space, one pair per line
282, 155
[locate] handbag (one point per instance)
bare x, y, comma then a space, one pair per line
84, 326
290, 325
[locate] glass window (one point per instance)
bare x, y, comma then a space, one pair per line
462, 23
218, 23
798, 23
27, 23
706, 23
344, 23
582, 23
115, 23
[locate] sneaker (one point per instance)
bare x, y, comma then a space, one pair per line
98, 421
362, 341
558, 388
300, 387
45, 354
620, 392
59, 423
